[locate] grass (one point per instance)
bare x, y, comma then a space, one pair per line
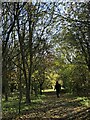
49, 90
84, 101
12, 105
11, 108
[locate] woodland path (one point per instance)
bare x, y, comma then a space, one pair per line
63, 108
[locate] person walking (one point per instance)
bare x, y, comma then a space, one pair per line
58, 88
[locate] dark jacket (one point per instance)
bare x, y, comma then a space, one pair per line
58, 87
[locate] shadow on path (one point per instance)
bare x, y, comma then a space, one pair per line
52, 108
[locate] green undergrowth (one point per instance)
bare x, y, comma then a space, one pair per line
12, 105
84, 101
11, 108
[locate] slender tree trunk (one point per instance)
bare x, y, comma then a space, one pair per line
20, 91
31, 54
19, 84
88, 3
40, 88
4, 78
23, 61
30, 50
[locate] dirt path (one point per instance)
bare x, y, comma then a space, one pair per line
53, 108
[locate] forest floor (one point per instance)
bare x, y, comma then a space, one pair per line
66, 107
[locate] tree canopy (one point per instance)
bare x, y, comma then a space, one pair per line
43, 42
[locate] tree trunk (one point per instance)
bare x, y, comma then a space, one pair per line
4, 78
21, 39
20, 83
31, 54
40, 89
